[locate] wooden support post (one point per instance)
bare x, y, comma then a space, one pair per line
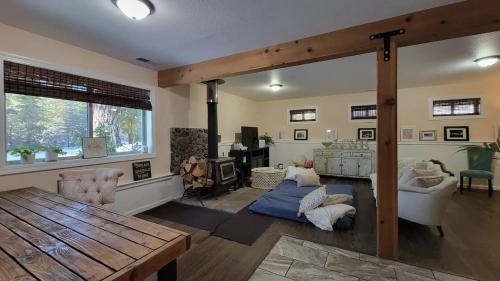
387, 157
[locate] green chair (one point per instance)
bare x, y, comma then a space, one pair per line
480, 162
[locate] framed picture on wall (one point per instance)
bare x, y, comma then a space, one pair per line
331, 134
369, 134
456, 133
497, 133
430, 135
408, 133
300, 134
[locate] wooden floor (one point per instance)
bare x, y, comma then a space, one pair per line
470, 246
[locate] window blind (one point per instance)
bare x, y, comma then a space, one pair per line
359, 112
302, 115
457, 107
29, 80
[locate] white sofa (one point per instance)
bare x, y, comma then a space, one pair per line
425, 206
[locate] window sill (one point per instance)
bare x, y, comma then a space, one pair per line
62, 164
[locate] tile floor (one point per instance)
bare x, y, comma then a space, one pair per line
295, 259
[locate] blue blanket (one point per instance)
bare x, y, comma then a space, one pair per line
284, 201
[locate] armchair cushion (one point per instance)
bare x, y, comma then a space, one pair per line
477, 174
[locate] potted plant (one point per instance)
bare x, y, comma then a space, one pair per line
27, 153
52, 153
267, 139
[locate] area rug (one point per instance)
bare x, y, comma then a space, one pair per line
195, 216
295, 259
245, 227
232, 202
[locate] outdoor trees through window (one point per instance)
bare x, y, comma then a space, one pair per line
34, 121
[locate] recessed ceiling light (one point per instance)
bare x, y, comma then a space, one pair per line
487, 61
275, 87
135, 9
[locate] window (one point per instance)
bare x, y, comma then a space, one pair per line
456, 107
302, 115
363, 112
48, 108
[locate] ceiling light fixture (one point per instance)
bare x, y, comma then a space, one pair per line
487, 61
275, 87
135, 9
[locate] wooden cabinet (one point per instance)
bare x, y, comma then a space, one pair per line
346, 163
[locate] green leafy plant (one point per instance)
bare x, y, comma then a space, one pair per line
58, 150
267, 138
493, 146
25, 151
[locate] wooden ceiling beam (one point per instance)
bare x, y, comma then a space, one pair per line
446, 22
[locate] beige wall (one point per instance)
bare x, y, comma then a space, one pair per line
170, 110
233, 112
412, 111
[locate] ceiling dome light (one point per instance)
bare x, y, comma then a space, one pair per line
487, 61
275, 87
135, 9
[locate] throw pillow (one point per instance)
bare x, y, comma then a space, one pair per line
309, 178
336, 199
433, 171
292, 172
425, 182
424, 165
325, 217
312, 200
407, 176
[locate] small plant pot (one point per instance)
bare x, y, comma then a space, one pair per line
51, 156
30, 159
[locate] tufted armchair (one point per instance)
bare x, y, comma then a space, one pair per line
96, 187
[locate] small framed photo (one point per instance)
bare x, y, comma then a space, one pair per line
94, 148
497, 133
300, 134
331, 134
408, 134
369, 134
456, 133
430, 135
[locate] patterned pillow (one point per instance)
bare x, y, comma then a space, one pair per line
312, 200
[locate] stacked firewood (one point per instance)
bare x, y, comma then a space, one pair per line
196, 173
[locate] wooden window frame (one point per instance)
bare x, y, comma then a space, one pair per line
302, 110
433, 100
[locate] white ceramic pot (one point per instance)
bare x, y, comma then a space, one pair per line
30, 159
51, 156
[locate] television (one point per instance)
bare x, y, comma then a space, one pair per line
250, 136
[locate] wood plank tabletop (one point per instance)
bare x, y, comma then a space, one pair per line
44, 236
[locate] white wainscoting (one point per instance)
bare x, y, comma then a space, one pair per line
140, 196
284, 151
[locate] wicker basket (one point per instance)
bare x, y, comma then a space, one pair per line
267, 177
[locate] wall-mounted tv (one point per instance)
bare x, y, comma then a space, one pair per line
250, 136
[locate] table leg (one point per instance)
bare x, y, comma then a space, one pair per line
168, 272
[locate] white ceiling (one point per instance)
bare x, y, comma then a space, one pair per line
188, 31
422, 65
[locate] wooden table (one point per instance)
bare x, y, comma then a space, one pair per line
44, 236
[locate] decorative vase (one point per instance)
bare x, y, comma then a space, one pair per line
51, 156
30, 159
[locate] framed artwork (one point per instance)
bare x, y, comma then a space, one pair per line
331, 134
428, 135
141, 170
497, 133
408, 134
94, 148
456, 133
369, 134
300, 134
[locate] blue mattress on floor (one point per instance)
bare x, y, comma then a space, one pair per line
284, 200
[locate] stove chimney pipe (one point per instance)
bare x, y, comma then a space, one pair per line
212, 100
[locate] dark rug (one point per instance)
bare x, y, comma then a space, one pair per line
245, 227
195, 216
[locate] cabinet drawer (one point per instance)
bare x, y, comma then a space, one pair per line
361, 154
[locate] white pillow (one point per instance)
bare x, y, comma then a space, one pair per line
310, 178
325, 217
407, 176
291, 172
337, 199
312, 200
426, 181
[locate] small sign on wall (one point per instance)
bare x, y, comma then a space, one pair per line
141, 170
